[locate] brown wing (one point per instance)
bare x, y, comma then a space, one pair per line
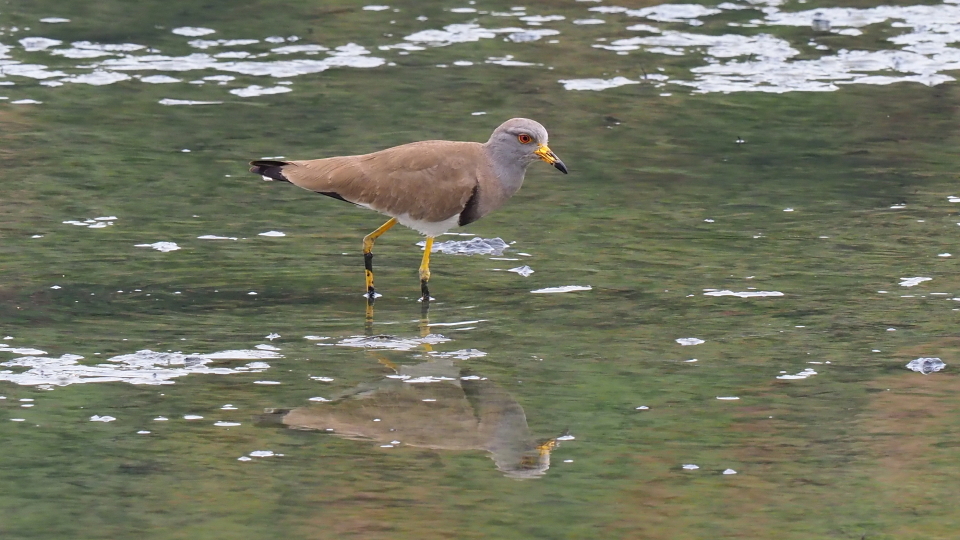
429, 180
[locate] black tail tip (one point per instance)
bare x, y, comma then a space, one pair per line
269, 169
270, 417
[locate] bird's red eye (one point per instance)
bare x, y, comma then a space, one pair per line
524, 138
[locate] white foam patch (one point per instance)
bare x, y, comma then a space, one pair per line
98, 78
644, 28
141, 367
766, 63
542, 18
159, 79
608, 9
595, 84
689, 341
461, 323
744, 294
376, 8
272, 234
457, 33
169, 101
727, 398
508, 61
531, 35
926, 365
78, 53
22, 350
687, 13
87, 49
809, 372
913, 281
318, 399
563, 289
54, 20
473, 246
33, 71
391, 342
350, 55
426, 379
192, 31
96, 418
93, 223
263, 453
690, 467
32, 44
290, 49
161, 246
226, 424
524, 271
207, 43
462, 354
722, 46
256, 90
26, 102
588, 21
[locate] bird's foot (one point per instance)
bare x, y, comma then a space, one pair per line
424, 291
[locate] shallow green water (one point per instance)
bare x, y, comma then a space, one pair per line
833, 197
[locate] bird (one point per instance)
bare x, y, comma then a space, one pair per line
429, 186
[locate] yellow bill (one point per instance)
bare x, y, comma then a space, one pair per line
547, 155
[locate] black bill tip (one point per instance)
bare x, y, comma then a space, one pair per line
560, 166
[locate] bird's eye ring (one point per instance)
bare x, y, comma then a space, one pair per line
524, 138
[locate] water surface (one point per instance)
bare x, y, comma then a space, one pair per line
756, 209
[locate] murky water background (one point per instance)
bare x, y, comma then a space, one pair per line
758, 234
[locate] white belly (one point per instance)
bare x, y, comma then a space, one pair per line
429, 228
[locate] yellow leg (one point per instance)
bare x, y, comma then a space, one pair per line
425, 270
368, 253
385, 361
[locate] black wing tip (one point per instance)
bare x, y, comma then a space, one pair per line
268, 163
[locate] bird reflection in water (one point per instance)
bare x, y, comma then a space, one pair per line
435, 404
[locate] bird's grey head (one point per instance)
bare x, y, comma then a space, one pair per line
522, 141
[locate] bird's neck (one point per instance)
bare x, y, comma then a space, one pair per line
509, 172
